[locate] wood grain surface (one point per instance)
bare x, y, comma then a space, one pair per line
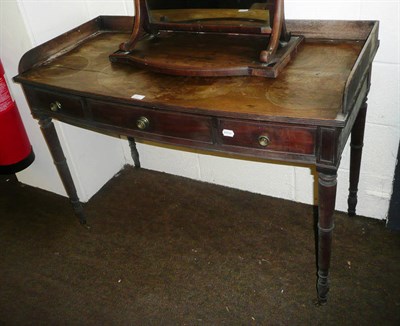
310, 88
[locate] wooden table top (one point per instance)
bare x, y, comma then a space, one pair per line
310, 88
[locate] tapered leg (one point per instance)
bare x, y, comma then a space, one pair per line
50, 135
327, 198
134, 152
356, 145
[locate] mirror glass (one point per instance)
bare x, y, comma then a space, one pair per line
209, 12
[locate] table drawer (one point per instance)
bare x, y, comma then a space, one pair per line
54, 103
268, 136
153, 122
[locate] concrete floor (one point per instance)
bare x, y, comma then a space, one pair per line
164, 250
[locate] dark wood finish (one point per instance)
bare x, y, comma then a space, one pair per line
50, 135
134, 152
207, 46
283, 138
276, 31
55, 103
335, 30
356, 145
242, 17
316, 99
328, 154
305, 115
140, 26
207, 55
326, 197
167, 124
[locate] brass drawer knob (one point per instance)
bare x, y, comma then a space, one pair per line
142, 123
264, 141
55, 106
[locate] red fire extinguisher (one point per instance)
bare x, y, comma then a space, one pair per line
16, 152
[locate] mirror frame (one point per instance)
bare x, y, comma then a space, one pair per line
268, 5
209, 50
276, 30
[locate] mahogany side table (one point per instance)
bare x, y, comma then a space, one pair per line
305, 115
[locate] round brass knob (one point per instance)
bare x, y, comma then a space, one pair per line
55, 106
263, 140
142, 123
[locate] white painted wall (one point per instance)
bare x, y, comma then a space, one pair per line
94, 159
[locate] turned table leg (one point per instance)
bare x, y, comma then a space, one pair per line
134, 152
53, 142
326, 197
356, 145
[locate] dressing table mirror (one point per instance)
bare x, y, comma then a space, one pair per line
210, 38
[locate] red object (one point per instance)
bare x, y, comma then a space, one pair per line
15, 150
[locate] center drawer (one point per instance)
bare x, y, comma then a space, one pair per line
153, 122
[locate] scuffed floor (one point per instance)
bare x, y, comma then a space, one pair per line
164, 250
